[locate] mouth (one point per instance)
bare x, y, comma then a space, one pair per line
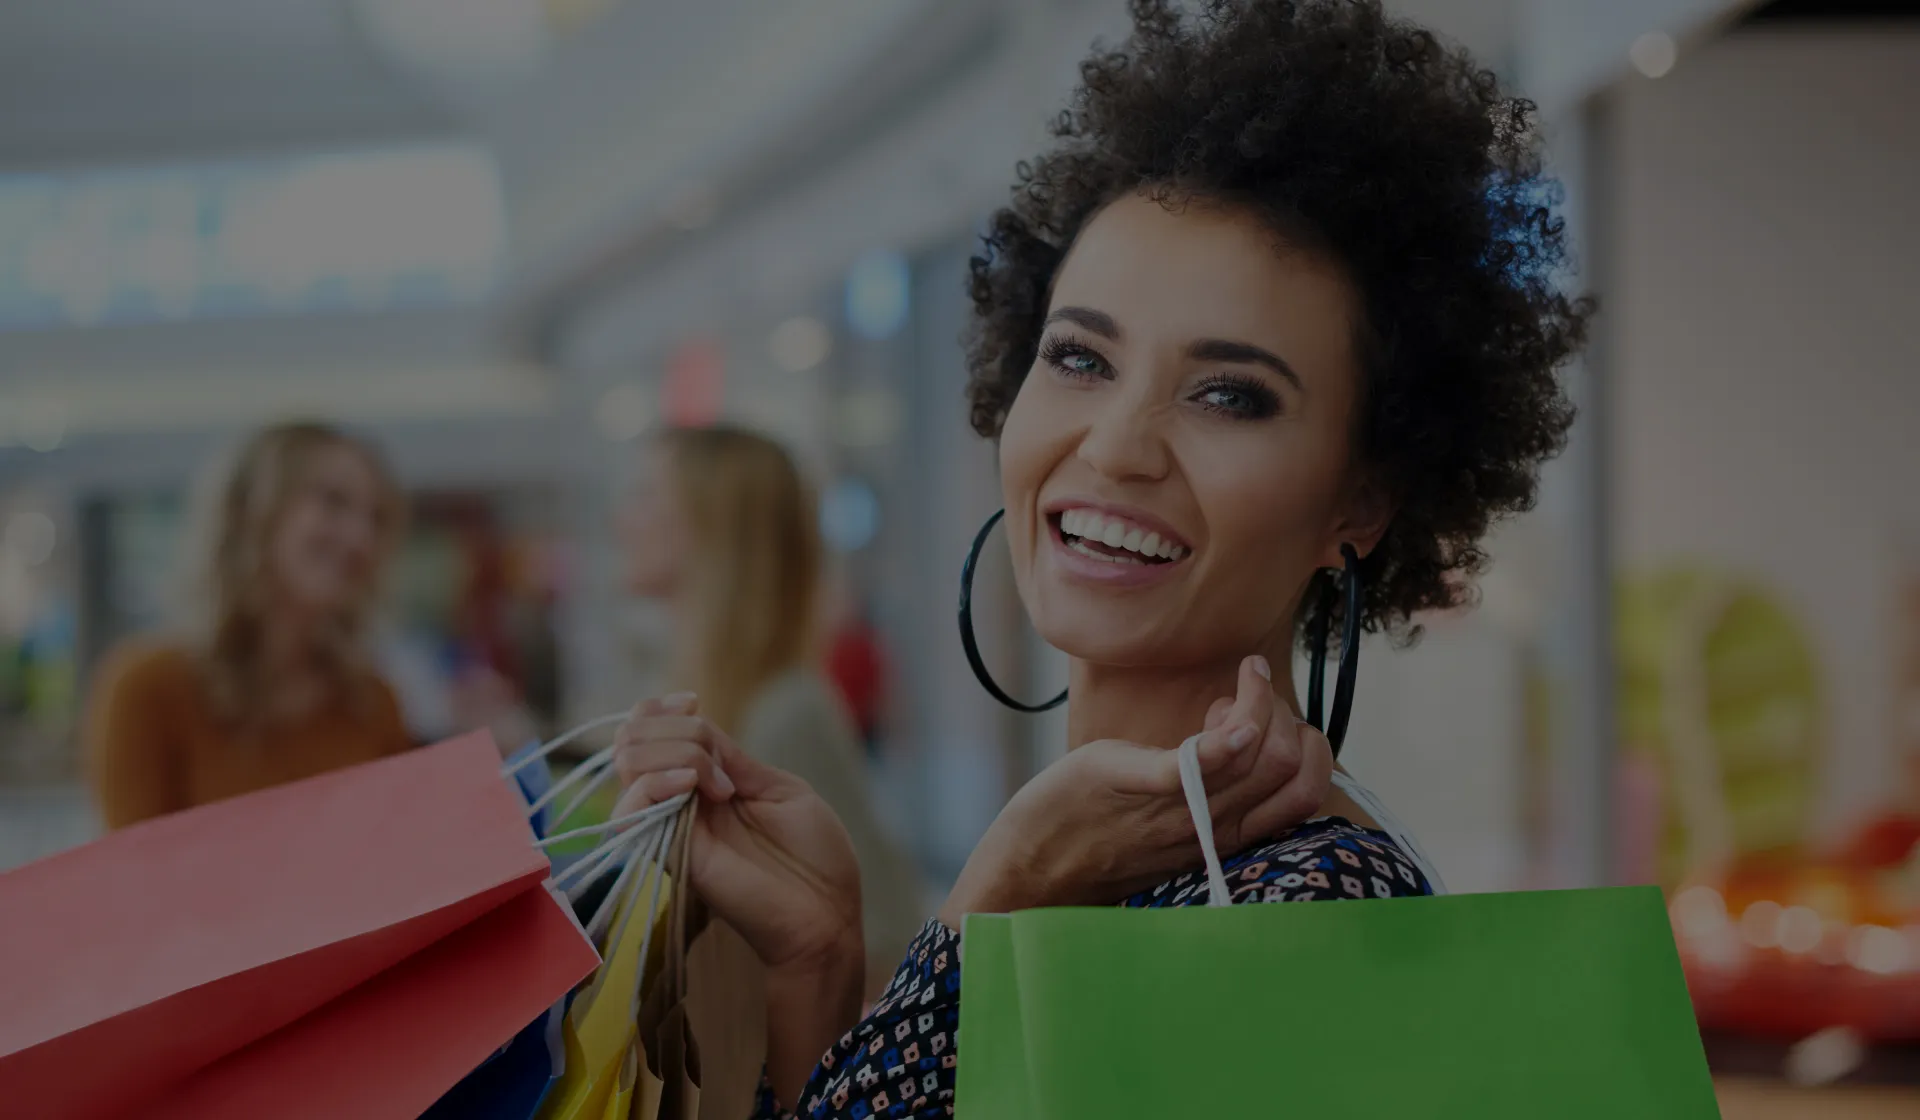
1110, 538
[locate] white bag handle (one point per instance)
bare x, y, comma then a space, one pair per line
1195, 788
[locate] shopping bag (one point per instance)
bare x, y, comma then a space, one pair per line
727, 1015
131, 962
599, 1028
671, 1056
392, 1046
515, 1082
1568, 1004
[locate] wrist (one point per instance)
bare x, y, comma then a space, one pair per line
812, 999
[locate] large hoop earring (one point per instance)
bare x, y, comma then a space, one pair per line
967, 641
1335, 726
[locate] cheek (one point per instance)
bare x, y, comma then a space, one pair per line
1266, 525
1034, 438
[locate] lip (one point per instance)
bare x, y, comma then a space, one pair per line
1083, 569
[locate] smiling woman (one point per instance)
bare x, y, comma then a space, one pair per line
1277, 316
270, 684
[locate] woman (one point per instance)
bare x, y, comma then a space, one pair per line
270, 684
723, 530
1274, 319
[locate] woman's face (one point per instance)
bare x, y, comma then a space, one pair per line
653, 533
332, 538
1176, 463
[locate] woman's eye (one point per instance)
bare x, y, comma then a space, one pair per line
1074, 360
1231, 398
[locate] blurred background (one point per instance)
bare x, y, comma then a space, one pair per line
505, 238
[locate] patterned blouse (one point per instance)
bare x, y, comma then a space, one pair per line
899, 1061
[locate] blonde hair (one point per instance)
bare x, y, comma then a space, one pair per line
233, 592
754, 563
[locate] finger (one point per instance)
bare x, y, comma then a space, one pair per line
752, 777
1301, 796
652, 789
1217, 712
1129, 767
637, 760
1253, 702
1228, 754
692, 729
676, 703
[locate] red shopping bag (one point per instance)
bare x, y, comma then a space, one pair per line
137, 960
392, 1046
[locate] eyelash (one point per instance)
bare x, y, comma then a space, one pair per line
1262, 402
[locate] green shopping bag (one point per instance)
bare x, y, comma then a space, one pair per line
1567, 1004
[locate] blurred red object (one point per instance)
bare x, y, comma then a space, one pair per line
1786, 946
855, 665
1886, 841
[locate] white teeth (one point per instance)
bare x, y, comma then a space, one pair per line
1080, 546
1089, 525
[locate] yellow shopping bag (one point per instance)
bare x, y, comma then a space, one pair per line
600, 1026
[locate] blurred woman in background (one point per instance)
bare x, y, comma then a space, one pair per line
269, 684
723, 530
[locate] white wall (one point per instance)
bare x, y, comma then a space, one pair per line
1765, 343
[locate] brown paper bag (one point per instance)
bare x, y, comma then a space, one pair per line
703, 1025
727, 1006
669, 1075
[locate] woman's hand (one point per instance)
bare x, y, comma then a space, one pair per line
768, 855
1110, 819
771, 859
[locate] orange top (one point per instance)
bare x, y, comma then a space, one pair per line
154, 745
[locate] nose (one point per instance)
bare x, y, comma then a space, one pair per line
1124, 440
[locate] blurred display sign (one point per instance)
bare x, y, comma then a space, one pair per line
691, 392
373, 230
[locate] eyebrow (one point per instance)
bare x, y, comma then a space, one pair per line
1099, 322
1222, 350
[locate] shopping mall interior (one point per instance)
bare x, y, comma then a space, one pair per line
506, 239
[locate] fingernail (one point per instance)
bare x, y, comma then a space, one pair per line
1242, 736
677, 699
724, 783
1261, 667
681, 775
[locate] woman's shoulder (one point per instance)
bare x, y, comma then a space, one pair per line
1321, 860
137, 665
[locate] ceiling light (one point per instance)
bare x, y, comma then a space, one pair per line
799, 344
461, 40
1654, 54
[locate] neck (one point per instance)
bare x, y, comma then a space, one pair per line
1157, 706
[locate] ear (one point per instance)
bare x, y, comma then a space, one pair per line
1363, 520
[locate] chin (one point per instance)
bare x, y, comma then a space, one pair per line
1101, 641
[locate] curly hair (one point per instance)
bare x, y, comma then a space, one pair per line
1364, 138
